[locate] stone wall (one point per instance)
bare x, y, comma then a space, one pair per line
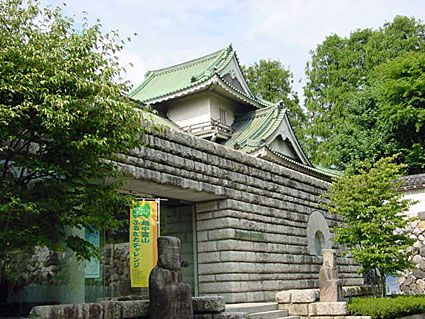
252, 238
116, 268
412, 281
203, 308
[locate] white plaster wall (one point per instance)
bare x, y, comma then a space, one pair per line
189, 111
218, 103
417, 195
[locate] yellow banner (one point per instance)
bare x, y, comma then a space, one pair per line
143, 235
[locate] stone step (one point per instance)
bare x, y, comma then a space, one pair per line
274, 314
252, 307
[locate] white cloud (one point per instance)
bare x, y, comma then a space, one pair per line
172, 32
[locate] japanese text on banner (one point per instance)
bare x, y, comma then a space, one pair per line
143, 235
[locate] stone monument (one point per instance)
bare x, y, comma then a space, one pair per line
330, 287
170, 298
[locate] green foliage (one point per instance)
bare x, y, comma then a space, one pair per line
387, 308
270, 81
400, 87
372, 210
62, 114
342, 68
362, 136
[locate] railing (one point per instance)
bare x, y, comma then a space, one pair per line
212, 126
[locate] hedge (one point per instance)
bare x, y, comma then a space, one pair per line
387, 308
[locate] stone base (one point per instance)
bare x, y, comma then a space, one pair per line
305, 303
327, 309
204, 308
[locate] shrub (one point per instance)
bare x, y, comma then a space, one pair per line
387, 308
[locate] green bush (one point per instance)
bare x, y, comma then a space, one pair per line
387, 308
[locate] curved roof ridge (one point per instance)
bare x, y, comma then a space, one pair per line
182, 65
213, 67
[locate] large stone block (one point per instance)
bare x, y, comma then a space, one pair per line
284, 297
206, 206
328, 309
210, 257
232, 277
220, 287
208, 304
112, 309
222, 234
305, 296
135, 308
44, 312
295, 309
233, 256
233, 315
207, 246
232, 244
255, 296
206, 278
95, 311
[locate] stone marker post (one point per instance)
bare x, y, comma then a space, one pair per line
169, 297
330, 287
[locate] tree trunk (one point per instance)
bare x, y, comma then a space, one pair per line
383, 285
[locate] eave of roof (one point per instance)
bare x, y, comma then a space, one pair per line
214, 79
272, 155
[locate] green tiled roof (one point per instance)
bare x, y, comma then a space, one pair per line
253, 129
330, 173
179, 77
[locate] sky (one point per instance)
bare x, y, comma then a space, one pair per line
175, 31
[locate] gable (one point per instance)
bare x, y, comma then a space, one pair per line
284, 146
232, 74
267, 128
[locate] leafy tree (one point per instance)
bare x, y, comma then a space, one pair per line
342, 67
62, 111
361, 137
374, 227
271, 81
400, 90
386, 117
